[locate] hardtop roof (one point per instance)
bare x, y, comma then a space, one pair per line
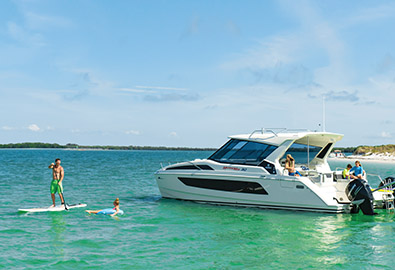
279, 136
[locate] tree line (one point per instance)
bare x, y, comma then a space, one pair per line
359, 150
39, 145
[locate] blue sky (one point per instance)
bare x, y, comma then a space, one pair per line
191, 73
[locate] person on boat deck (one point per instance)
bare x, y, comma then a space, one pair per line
357, 171
346, 172
57, 178
116, 209
290, 166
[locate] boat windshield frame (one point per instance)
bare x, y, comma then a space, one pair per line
243, 152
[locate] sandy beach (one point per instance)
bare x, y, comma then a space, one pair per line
386, 158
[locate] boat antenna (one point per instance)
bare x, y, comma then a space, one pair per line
323, 113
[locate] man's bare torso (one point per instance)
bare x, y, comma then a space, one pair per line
57, 172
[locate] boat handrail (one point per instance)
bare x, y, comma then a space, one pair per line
276, 131
262, 131
318, 175
193, 164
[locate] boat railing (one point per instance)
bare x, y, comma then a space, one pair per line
366, 176
276, 131
319, 177
193, 164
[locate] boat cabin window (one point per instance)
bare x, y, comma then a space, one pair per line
242, 152
302, 153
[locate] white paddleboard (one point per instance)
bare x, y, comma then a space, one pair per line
53, 209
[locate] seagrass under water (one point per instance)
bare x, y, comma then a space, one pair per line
157, 233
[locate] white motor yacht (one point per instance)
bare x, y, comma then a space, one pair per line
249, 171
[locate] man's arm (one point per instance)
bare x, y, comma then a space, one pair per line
51, 166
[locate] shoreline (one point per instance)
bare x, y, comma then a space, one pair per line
113, 149
371, 158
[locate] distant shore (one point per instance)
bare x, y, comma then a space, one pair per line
386, 158
38, 145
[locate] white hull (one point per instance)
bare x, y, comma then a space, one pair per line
283, 192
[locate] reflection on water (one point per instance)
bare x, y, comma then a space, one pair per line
57, 233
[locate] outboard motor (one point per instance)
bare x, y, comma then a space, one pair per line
359, 193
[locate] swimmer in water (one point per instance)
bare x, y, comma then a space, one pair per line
116, 209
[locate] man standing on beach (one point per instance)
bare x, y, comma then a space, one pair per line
57, 178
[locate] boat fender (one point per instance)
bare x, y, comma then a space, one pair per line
109, 211
359, 193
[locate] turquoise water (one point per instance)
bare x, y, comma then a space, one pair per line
158, 233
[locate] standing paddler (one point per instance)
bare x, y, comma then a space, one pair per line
57, 178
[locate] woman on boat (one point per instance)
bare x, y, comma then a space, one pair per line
357, 171
111, 211
290, 166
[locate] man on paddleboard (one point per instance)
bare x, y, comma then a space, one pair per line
57, 178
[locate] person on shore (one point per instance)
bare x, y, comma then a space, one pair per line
346, 172
290, 166
57, 178
357, 171
113, 211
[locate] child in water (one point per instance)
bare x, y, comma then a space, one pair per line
114, 210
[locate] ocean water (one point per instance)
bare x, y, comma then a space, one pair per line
160, 233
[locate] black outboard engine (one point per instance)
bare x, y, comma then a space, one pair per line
359, 193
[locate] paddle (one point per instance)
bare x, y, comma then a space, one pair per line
64, 202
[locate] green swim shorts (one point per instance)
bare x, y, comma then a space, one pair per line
55, 187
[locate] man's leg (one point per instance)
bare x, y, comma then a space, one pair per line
60, 191
53, 199
61, 197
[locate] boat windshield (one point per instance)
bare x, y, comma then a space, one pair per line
302, 153
242, 152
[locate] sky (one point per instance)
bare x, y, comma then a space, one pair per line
191, 73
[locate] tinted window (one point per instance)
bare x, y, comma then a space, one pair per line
243, 152
225, 185
302, 153
325, 150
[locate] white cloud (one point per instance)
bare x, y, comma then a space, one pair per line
88, 82
383, 82
39, 21
173, 134
19, 33
162, 88
34, 127
7, 128
139, 91
385, 134
132, 132
375, 13
266, 54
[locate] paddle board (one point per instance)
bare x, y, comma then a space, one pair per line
52, 209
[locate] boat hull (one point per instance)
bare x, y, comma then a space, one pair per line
271, 192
